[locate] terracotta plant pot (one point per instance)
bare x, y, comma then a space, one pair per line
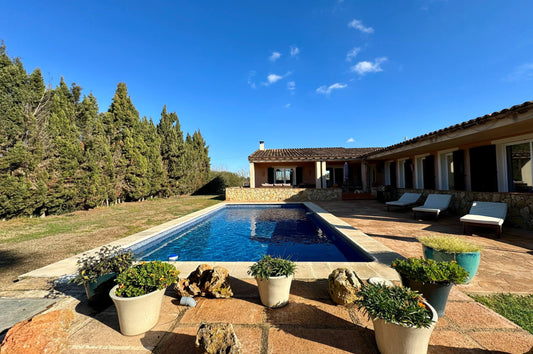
467, 260
392, 338
138, 314
274, 291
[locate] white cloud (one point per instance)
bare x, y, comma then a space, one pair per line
358, 25
291, 85
275, 56
326, 90
350, 140
522, 72
365, 67
294, 51
352, 53
272, 78
251, 81
288, 105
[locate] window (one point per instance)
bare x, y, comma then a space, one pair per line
419, 167
519, 167
284, 175
401, 174
447, 177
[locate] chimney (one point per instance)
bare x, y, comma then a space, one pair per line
261, 145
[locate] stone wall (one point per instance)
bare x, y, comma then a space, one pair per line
238, 194
519, 205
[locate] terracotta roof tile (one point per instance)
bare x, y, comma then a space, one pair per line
521, 108
309, 154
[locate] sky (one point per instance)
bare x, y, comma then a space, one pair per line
294, 74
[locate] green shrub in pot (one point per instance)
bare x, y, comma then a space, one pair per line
274, 279
433, 279
403, 320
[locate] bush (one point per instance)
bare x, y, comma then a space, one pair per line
106, 260
145, 278
430, 271
394, 304
268, 267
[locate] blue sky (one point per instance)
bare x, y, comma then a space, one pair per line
291, 73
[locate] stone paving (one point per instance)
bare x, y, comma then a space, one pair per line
311, 323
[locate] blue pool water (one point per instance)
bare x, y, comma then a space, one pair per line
247, 232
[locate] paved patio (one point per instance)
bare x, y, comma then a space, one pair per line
311, 323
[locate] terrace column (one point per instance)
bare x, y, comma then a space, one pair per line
252, 175
318, 180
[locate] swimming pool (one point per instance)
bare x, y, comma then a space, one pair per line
244, 232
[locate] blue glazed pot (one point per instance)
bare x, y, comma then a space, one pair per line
467, 260
434, 293
97, 291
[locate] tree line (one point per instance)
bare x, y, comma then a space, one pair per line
58, 153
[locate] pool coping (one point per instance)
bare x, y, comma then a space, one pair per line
382, 255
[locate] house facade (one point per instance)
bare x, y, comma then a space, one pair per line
485, 158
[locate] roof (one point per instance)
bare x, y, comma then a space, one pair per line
504, 113
310, 154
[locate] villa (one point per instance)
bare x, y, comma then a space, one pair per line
485, 158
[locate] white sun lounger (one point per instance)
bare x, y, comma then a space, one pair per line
486, 214
405, 200
435, 204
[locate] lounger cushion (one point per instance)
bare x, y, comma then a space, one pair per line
427, 210
480, 219
405, 199
435, 203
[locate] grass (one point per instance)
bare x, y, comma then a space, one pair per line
30, 243
449, 244
517, 308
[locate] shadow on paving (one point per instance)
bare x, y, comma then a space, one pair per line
441, 349
172, 343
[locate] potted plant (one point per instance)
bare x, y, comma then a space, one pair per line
97, 272
450, 248
274, 277
139, 293
403, 320
432, 278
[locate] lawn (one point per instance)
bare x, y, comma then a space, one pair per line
30, 243
516, 308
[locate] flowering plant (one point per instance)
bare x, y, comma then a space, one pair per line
145, 278
430, 271
395, 304
106, 260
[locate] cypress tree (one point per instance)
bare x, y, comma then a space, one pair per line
155, 174
172, 151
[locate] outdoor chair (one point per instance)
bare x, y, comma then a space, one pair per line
488, 214
405, 200
435, 204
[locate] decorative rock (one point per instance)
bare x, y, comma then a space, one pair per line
343, 286
378, 280
46, 333
218, 338
205, 281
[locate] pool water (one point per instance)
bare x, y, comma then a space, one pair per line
247, 232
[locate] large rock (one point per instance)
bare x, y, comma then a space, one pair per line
343, 286
206, 281
218, 338
46, 333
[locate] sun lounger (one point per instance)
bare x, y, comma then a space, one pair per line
435, 204
488, 214
405, 200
